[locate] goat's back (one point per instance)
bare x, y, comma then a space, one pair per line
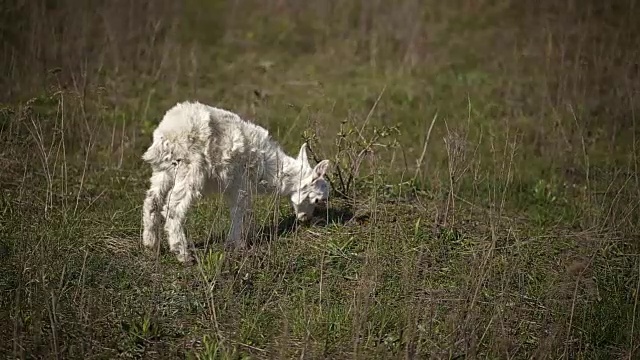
216, 138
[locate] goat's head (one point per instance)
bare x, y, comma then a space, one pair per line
312, 188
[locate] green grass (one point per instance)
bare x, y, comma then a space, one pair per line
515, 237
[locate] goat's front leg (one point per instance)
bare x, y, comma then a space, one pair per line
238, 202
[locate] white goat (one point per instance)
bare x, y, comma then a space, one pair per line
199, 149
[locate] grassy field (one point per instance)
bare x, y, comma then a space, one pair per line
485, 180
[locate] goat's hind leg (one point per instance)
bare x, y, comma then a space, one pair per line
188, 188
161, 182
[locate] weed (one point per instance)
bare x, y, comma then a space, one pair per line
353, 147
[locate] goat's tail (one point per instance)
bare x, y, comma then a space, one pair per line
156, 152
162, 151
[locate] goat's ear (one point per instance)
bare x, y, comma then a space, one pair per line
302, 155
320, 169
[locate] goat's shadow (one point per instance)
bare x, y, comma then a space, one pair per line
269, 231
321, 218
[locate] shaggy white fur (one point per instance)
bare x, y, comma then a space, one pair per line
199, 149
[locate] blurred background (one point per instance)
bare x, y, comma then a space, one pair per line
529, 63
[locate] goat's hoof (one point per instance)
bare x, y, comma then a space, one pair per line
236, 245
151, 244
150, 248
184, 258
